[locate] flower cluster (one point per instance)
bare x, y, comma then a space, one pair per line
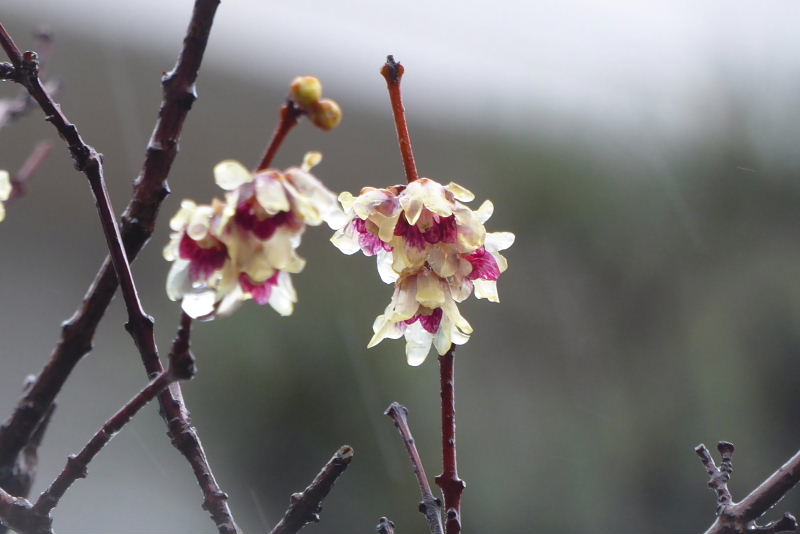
5, 192
245, 246
434, 249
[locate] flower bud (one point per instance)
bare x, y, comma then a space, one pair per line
325, 114
305, 90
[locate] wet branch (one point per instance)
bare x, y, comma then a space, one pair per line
740, 517
305, 506
430, 506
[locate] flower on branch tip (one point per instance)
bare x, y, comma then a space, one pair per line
245, 246
434, 249
5, 192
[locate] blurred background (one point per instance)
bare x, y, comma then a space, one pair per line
645, 155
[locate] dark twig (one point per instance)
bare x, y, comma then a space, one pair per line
12, 109
740, 517
430, 506
138, 223
392, 71
289, 115
20, 179
385, 526
304, 507
15, 513
451, 485
181, 367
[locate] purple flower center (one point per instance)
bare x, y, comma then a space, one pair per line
260, 291
369, 242
262, 228
429, 322
484, 265
202, 261
444, 229
411, 234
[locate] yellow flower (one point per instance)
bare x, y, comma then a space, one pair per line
245, 247
5, 192
437, 252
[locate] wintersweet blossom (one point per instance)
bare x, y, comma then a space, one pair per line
5, 192
245, 246
437, 252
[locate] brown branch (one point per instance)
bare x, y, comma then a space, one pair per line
448, 481
430, 506
138, 223
385, 526
12, 109
289, 115
20, 179
305, 506
740, 517
15, 513
392, 71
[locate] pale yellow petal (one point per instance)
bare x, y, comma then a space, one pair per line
199, 305
385, 271
270, 193
181, 219
499, 241
460, 193
311, 160
418, 344
2, 212
485, 211
430, 291
486, 289
5, 185
230, 174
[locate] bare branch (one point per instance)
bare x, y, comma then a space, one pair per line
448, 481
740, 517
385, 526
430, 506
305, 506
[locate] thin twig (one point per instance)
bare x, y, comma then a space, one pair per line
430, 506
138, 223
12, 109
289, 115
451, 485
304, 507
392, 71
385, 526
20, 179
740, 517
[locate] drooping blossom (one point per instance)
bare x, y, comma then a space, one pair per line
437, 252
245, 247
5, 192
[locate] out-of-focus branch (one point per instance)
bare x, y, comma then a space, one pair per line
304, 507
430, 506
20, 179
740, 517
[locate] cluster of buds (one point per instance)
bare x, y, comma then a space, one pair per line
434, 249
244, 247
5, 192
306, 93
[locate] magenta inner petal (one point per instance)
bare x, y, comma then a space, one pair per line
370, 243
429, 322
263, 229
260, 292
411, 234
202, 261
444, 229
484, 265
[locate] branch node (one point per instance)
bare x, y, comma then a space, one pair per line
385, 526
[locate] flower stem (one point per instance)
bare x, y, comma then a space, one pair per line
451, 485
393, 73
288, 120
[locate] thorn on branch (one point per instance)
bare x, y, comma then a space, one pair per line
305, 506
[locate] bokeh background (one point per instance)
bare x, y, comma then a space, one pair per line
644, 153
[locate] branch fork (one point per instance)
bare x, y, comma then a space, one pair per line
740, 517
